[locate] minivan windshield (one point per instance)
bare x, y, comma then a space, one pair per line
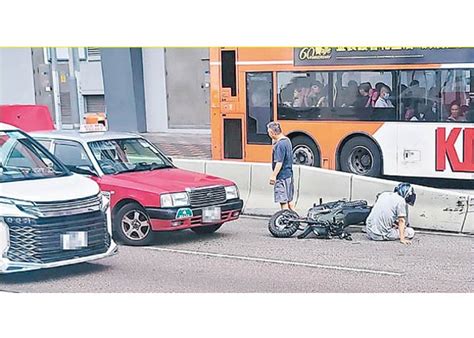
128, 155
22, 158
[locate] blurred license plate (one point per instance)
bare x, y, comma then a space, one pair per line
211, 214
74, 240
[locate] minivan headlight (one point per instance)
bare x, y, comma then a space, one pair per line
231, 192
4, 237
19, 203
179, 199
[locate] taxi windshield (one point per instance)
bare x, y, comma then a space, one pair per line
128, 155
22, 158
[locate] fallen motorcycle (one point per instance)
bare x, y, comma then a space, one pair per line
326, 220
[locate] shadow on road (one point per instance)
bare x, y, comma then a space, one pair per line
55, 274
186, 236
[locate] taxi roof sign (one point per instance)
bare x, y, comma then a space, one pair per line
92, 128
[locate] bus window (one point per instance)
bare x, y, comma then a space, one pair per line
364, 95
455, 95
302, 95
419, 95
259, 107
229, 77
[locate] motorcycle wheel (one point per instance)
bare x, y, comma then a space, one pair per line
282, 224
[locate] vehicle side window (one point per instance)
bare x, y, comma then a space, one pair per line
72, 154
23, 157
365, 95
303, 95
455, 96
259, 107
419, 95
45, 143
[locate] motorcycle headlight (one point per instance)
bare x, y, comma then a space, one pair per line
104, 200
179, 199
231, 192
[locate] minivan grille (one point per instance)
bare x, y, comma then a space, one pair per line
40, 241
207, 196
65, 208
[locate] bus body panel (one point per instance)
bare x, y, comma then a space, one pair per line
418, 149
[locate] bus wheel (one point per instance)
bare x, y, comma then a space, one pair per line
361, 156
305, 152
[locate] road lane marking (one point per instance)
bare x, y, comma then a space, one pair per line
276, 261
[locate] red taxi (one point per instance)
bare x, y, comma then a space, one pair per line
148, 193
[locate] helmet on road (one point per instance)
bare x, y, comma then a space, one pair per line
407, 192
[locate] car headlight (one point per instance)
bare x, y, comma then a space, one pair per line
25, 206
179, 199
104, 200
19, 203
231, 192
4, 237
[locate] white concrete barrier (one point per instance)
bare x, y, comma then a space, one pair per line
192, 165
469, 222
261, 201
435, 209
237, 172
315, 183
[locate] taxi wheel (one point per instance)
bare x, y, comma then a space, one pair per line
206, 229
132, 225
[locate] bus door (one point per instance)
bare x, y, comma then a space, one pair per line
232, 121
259, 106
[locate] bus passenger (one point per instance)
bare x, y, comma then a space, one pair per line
383, 100
364, 95
350, 94
315, 97
298, 97
410, 114
455, 114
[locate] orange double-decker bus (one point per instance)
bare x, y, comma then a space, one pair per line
367, 110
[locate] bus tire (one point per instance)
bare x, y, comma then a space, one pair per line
305, 151
361, 156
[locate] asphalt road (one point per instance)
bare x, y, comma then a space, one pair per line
243, 257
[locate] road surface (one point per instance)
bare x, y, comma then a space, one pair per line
243, 257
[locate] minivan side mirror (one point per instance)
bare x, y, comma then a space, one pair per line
83, 170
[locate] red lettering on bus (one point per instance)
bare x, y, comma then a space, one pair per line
445, 150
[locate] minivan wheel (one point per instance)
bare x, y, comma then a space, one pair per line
132, 225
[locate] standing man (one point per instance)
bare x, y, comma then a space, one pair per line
282, 166
388, 219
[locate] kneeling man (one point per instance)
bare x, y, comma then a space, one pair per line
388, 219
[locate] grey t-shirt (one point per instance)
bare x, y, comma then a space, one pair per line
386, 210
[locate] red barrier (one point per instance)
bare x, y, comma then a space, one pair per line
27, 117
